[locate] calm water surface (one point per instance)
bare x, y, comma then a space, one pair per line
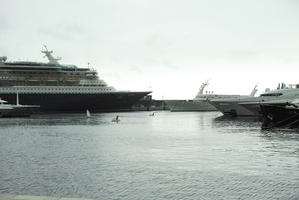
166, 156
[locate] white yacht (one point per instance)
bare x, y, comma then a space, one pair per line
199, 103
16, 110
250, 106
4, 108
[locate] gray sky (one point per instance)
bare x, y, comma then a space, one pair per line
170, 46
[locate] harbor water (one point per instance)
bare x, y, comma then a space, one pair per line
196, 155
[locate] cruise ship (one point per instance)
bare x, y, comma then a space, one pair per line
58, 87
199, 103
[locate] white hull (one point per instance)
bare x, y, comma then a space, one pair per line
250, 106
232, 108
253, 107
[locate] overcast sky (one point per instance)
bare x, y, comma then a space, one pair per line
168, 46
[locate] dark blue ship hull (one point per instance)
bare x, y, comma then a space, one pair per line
280, 116
62, 103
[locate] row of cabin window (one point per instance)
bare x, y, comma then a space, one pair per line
78, 74
12, 79
67, 89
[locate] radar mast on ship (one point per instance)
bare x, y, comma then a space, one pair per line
202, 87
253, 92
48, 54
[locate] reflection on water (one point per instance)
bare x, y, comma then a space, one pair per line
237, 122
54, 120
166, 156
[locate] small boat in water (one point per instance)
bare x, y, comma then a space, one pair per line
17, 110
88, 113
116, 119
152, 114
4, 108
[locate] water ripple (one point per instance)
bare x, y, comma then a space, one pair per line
168, 156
